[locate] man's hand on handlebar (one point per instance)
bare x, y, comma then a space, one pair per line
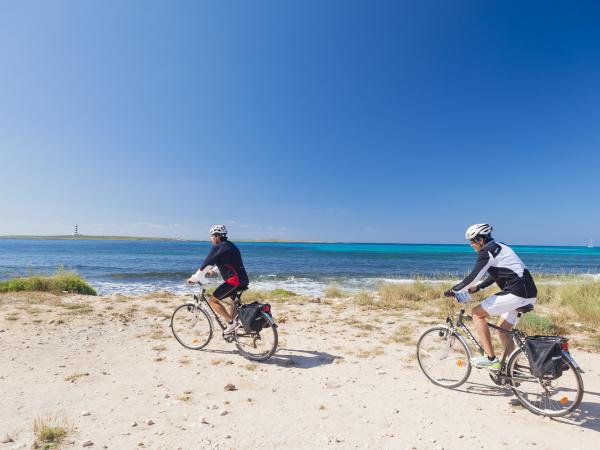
473, 290
449, 293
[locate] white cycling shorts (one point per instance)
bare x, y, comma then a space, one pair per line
505, 306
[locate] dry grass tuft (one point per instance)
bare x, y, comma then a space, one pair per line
334, 292
50, 431
73, 378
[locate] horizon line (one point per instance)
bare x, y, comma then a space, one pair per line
91, 237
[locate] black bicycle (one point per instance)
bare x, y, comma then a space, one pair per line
192, 326
445, 358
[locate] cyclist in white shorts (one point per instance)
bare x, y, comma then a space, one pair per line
506, 269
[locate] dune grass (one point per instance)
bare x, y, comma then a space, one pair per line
50, 431
415, 295
61, 281
334, 292
561, 302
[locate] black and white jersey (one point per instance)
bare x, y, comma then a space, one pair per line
504, 268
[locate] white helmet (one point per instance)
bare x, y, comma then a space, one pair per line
479, 229
218, 229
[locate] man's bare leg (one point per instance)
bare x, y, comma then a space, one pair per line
483, 331
219, 308
506, 340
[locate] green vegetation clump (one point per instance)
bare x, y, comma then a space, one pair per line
276, 295
533, 324
60, 282
282, 293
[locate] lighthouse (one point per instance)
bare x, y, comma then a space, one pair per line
76, 231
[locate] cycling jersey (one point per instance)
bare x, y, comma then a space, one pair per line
226, 256
504, 268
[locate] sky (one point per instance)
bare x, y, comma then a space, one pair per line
387, 121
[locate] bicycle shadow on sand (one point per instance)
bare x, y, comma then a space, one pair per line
587, 414
484, 389
301, 359
287, 357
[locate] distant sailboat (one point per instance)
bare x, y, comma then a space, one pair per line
591, 244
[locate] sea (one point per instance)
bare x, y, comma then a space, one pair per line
137, 267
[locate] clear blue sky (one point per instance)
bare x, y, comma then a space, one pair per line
397, 121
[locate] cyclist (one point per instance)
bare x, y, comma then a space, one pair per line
506, 269
226, 256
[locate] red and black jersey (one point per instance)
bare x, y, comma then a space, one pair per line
227, 257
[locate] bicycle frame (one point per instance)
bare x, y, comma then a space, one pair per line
201, 298
515, 335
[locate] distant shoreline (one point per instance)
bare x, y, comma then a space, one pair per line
86, 237
89, 237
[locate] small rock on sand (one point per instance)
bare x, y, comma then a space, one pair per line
230, 387
224, 412
149, 422
87, 443
85, 413
5, 439
203, 420
134, 424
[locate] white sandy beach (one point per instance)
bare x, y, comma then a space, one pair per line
115, 372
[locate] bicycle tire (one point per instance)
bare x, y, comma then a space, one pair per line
522, 378
439, 335
246, 341
183, 312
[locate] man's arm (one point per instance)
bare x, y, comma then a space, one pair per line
212, 257
484, 261
485, 283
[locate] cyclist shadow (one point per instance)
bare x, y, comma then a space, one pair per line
301, 359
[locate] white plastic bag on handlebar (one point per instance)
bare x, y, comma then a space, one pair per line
462, 296
200, 275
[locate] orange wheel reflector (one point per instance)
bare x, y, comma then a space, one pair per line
459, 362
195, 341
564, 400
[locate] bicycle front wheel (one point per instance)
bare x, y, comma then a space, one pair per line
544, 396
191, 326
257, 346
444, 357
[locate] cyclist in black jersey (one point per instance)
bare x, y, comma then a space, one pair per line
226, 256
503, 267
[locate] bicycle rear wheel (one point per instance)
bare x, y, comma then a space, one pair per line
257, 346
543, 396
444, 357
191, 326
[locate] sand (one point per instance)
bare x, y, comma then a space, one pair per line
111, 368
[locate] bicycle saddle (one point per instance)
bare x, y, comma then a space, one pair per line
525, 309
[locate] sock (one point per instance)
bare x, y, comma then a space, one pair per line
491, 358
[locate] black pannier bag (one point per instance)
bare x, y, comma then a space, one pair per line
251, 317
545, 356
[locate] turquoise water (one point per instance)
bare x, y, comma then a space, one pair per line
142, 266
